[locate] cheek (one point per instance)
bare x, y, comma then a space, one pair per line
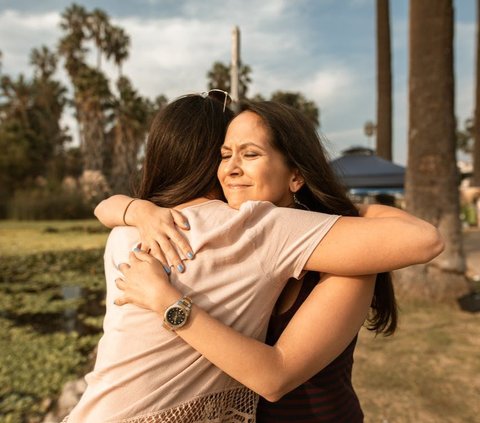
220, 172
274, 182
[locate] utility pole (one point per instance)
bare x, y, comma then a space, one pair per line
235, 67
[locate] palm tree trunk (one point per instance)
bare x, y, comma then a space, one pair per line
432, 177
384, 82
476, 143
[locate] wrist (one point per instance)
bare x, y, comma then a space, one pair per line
169, 296
133, 214
128, 211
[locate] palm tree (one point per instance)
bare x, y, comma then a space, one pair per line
244, 80
131, 117
91, 90
298, 100
98, 23
476, 144
117, 43
44, 62
93, 100
432, 176
74, 24
384, 82
49, 101
219, 77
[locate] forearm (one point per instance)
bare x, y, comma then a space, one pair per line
425, 236
110, 211
381, 211
251, 362
385, 239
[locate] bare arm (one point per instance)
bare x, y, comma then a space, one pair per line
385, 239
158, 226
320, 330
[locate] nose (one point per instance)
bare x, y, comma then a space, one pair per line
232, 166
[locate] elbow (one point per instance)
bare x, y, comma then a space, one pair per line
273, 396
275, 390
434, 245
99, 214
98, 210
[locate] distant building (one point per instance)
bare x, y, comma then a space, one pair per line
368, 177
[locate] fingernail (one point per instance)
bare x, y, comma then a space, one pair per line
137, 250
180, 267
190, 255
187, 225
167, 269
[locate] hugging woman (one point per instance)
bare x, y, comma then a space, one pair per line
245, 253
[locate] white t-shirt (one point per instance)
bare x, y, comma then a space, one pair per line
243, 259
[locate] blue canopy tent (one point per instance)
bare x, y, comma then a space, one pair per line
364, 172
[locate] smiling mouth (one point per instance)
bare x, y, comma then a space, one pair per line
237, 186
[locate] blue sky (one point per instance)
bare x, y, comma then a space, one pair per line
323, 48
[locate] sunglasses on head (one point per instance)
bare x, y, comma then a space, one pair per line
219, 95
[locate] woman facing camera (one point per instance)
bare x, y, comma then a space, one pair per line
244, 256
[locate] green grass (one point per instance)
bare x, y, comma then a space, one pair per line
38, 261
28, 237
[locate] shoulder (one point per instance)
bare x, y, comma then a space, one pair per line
264, 210
122, 235
121, 241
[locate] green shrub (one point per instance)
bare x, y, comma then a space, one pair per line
47, 204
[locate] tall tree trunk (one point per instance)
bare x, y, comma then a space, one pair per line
384, 82
432, 177
93, 139
476, 142
125, 153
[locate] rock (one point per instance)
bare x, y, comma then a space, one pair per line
71, 393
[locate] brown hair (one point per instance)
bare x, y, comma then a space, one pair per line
183, 151
293, 135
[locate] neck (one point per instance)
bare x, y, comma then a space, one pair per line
193, 202
210, 196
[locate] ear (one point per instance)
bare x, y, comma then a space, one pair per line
296, 181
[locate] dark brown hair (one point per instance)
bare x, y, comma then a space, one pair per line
183, 151
293, 135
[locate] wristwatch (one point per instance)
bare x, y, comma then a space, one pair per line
177, 314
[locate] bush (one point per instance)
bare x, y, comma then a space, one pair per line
47, 204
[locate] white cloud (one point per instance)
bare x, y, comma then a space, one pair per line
22, 32
172, 56
329, 84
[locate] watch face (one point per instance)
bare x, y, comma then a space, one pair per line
175, 316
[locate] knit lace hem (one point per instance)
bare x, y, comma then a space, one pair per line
233, 406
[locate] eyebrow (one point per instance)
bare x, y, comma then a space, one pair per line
243, 146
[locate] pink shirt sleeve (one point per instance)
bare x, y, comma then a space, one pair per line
285, 238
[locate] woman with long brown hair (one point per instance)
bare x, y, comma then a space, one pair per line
272, 153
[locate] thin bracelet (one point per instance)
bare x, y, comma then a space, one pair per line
125, 212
